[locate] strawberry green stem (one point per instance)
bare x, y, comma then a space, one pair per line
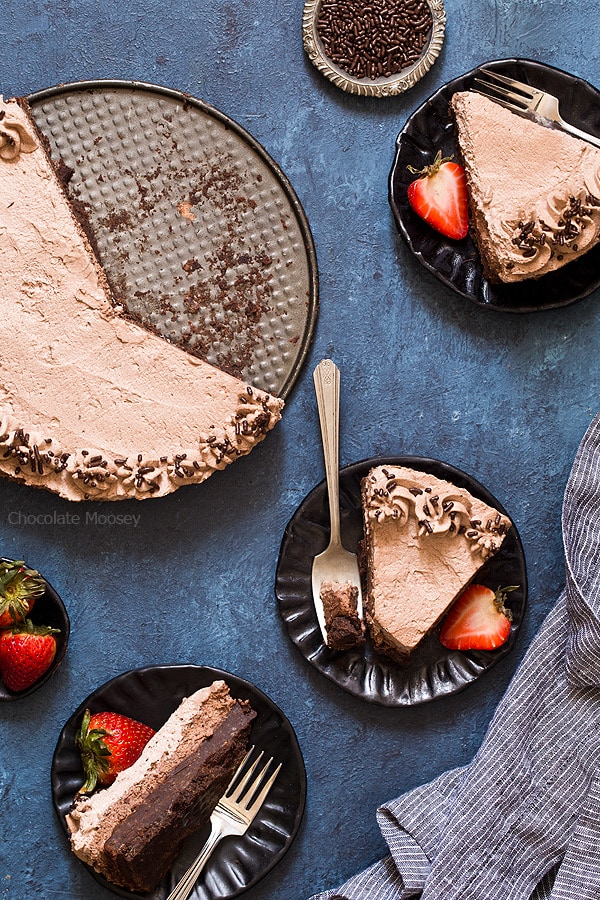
433, 168
94, 753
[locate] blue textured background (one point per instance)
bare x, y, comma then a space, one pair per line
506, 398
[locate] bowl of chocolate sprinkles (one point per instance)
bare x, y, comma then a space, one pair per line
377, 48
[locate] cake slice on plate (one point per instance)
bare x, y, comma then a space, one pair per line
131, 831
424, 541
92, 406
534, 191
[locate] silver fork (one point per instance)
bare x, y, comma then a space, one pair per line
233, 815
527, 101
335, 563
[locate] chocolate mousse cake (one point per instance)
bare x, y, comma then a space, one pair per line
534, 191
93, 406
131, 831
424, 541
343, 626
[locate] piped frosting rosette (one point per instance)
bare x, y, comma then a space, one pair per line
14, 139
568, 226
438, 507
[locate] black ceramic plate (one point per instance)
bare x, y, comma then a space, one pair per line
457, 263
433, 671
151, 695
48, 610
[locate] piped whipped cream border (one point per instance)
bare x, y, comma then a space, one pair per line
570, 228
39, 458
398, 494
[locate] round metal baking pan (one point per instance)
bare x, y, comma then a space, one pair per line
200, 233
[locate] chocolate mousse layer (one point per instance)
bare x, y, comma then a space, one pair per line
92, 406
534, 191
132, 831
424, 541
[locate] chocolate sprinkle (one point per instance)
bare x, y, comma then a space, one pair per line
369, 40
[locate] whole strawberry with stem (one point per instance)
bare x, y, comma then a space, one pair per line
26, 653
19, 589
109, 742
440, 197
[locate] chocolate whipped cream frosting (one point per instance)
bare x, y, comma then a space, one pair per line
435, 506
424, 541
92, 406
534, 190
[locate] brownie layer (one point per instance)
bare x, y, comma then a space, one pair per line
142, 847
340, 609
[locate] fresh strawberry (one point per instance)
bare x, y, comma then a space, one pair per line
109, 743
439, 196
26, 653
477, 620
19, 589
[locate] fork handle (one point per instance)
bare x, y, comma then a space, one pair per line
327, 388
583, 135
185, 886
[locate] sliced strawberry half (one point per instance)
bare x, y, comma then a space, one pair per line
478, 619
439, 196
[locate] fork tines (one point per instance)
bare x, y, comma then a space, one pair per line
251, 788
519, 86
514, 93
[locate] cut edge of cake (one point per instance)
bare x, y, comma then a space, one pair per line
131, 831
33, 451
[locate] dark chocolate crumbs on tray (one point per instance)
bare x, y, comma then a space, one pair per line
374, 40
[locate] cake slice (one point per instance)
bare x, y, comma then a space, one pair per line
534, 191
343, 625
132, 831
92, 406
424, 541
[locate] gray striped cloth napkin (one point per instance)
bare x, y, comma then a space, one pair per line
522, 820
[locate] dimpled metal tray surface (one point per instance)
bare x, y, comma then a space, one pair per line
200, 233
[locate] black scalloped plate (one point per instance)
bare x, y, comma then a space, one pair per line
433, 671
457, 263
151, 694
48, 610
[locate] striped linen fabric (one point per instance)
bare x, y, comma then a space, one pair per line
522, 821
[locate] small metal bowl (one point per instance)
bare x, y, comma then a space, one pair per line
48, 610
383, 86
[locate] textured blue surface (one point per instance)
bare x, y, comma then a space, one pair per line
506, 398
